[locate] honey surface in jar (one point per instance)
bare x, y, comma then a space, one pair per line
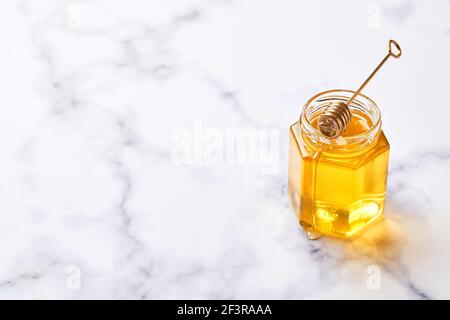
338, 190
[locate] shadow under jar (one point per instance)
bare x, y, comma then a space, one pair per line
337, 186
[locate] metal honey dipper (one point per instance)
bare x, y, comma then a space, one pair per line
336, 117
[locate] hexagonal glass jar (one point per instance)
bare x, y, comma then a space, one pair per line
337, 186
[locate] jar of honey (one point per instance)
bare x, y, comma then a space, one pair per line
338, 162
337, 185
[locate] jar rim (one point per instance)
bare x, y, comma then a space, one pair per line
362, 99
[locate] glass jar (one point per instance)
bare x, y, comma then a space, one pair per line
337, 186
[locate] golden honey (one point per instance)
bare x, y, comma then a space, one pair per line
337, 186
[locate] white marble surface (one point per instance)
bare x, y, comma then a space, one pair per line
93, 205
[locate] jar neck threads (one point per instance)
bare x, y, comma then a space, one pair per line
366, 115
